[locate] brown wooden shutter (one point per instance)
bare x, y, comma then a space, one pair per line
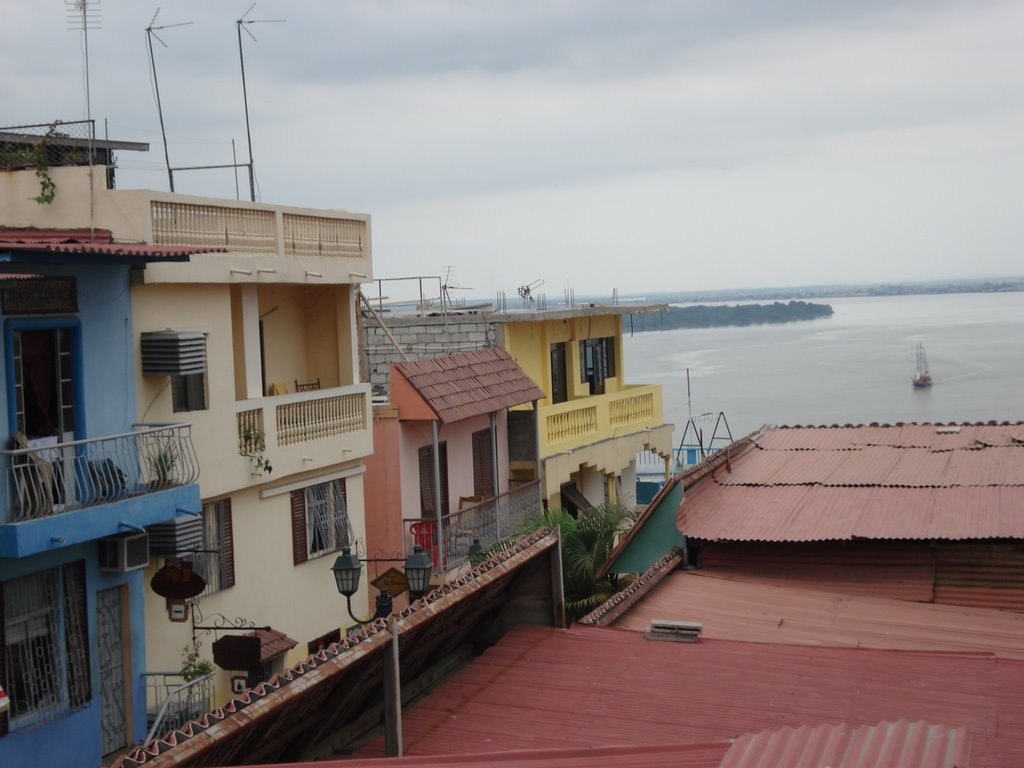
3, 668
427, 481
299, 549
445, 506
76, 634
483, 466
227, 546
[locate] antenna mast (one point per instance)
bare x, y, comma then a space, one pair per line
150, 34
83, 14
240, 24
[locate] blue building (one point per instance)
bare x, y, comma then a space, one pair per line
80, 481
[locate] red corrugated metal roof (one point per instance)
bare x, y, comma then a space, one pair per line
886, 745
815, 513
735, 609
541, 688
89, 242
469, 384
901, 482
677, 755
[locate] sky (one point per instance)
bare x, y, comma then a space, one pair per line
592, 144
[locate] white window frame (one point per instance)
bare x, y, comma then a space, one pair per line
327, 524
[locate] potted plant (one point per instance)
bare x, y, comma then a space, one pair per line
162, 463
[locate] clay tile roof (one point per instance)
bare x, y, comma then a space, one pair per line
273, 643
906, 481
469, 384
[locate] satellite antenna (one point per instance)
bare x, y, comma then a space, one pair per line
240, 24
526, 291
151, 32
83, 15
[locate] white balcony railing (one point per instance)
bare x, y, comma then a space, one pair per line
303, 417
49, 479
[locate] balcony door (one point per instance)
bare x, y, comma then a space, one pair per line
45, 386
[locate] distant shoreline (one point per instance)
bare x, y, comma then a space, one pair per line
717, 316
849, 290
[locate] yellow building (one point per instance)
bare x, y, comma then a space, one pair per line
255, 344
591, 424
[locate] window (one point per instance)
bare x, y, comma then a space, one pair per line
559, 385
45, 644
427, 494
597, 362
188, 392
320, 522
217, 568
483, 464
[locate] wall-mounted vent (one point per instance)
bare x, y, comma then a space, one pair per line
173, 353
676, 631
180, 536
119, 554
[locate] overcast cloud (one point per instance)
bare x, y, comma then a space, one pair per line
638, 145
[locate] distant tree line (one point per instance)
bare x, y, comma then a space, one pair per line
705, 316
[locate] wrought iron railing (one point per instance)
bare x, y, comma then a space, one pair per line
43, 479
488, 521
171, 700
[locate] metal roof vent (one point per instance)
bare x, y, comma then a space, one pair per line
173, 353
952, 429
675, 631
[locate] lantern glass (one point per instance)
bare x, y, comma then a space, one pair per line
417, 570
346, 572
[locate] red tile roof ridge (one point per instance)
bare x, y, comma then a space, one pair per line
375, 633
886, 425
622, 601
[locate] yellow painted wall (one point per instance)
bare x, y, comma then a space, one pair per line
300, 600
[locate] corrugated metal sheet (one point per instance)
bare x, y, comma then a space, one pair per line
541, 688
679, 756
734, 609
816, 513
989, 574
470, 383
886, 745
904, 570
880, 466
934, 436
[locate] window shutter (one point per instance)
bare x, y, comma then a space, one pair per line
76, 634
227, 546
427, 481
299, 547
445, 506
483, 466
3, 668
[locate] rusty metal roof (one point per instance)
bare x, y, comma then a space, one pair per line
459, 386
736, 609
339, 684
910, 481
540, 688
17, 244
892, 745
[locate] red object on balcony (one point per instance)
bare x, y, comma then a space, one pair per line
423, 533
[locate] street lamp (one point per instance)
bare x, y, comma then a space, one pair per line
348, 567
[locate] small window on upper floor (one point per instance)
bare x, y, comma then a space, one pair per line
188, 393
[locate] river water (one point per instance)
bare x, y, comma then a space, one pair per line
854, 367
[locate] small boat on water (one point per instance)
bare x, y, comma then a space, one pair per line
922, 378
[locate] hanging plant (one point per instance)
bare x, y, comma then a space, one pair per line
39, 158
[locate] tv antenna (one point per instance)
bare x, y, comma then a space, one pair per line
240, 24
84, 15
151, 33
526, 291
447, 285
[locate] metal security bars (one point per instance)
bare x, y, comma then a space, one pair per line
53, 478
327, 524
171, 700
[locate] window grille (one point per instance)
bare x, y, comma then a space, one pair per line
45, 644
216, 567
327, 524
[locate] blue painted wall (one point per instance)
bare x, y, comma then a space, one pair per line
105, 405
74, 740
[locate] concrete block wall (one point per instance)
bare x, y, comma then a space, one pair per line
422, 337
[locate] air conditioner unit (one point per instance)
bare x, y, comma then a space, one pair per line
120, 554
